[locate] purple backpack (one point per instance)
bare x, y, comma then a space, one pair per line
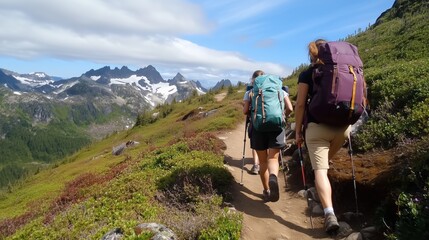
338, 89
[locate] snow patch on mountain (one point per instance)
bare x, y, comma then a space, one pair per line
39, 74
200, 91
165, 89
33, 82
132, 80
162, 88
63, 87
95, 78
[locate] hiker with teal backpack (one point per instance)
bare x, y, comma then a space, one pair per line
331, 97
268, 108
246, 101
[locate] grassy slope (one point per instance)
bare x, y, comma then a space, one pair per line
41, 189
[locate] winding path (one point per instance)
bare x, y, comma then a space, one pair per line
286, 219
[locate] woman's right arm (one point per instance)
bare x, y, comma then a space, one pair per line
246, 103
246, 106
299, 111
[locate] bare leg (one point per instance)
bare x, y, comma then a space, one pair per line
255, 157
324, 190
273, 161
263, 172
323, 187
273, 169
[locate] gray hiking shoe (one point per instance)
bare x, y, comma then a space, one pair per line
266, 195
331, 223
274, 188
255, 169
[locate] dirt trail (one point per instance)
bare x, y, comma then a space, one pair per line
285, 219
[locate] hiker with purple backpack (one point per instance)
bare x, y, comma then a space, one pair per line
267, 106
331, 97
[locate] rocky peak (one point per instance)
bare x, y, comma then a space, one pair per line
222, 84
178, 78
98, 72
124, 72
151, 74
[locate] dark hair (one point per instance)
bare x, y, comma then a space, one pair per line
257, 73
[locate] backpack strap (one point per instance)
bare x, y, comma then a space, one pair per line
334, 77
249, 114
282, 104
365, 95
255, 108
260, 94
352, 103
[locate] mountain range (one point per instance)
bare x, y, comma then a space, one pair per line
145, 85
98, 96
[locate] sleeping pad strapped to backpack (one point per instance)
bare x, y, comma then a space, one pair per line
339, 88
267, 96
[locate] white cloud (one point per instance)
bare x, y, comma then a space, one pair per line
110, 16
123, 32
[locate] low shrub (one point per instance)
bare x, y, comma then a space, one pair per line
408, 216
192, 187
384, 129
399, 97
228, 226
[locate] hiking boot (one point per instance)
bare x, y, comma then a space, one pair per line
331, 223
266, 195
274, 188
255, 169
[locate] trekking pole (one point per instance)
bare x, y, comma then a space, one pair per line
285, 168
309, 200
302, 166
353, 173
244, 149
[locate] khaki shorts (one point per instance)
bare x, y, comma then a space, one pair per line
323, 142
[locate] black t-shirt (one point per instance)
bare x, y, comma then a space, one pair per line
306, 77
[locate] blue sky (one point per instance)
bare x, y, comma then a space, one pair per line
205, 40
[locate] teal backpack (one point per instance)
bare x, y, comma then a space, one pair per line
267, 111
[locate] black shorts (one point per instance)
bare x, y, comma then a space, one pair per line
266, 140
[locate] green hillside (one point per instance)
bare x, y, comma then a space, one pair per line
394, 51
173, 175
36, 132
397, 69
